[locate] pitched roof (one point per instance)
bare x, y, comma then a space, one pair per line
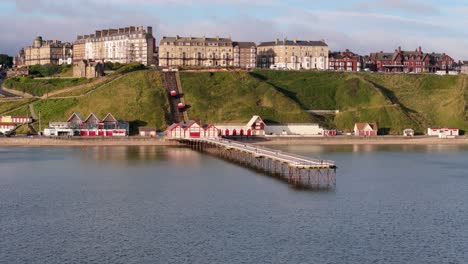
188, 124
362, 126
91, 117
244, 44
293, 43
410, 54
381, 56
109, 118
209, 126
253, 120
342, 55
178, 39
75, 115
173, 126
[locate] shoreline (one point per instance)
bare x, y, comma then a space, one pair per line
382, 140
50, 142
143, 141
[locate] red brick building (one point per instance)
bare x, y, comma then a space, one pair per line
344, 61
410, 61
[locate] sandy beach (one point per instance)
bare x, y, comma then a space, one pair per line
140, 141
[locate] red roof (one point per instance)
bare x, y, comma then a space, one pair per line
173, 126
361, 126
209, 126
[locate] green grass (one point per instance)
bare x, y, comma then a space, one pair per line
21, 111
395, 101
66, 72
87, 88
434, 100
137, 97
39, 87
8, 106
235, 97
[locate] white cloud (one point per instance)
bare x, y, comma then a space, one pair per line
363, 31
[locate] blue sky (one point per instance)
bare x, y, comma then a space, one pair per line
362, 26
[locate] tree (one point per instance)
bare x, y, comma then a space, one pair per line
6, 60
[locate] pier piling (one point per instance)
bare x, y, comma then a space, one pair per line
298, 171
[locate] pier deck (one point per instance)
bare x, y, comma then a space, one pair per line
298, 170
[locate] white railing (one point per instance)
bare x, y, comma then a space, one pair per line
292, 159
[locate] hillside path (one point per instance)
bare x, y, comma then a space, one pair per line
78, 87
32, 112
10, 93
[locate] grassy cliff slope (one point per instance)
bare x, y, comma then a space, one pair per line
40, 87
394, 101
137, 97
236, 97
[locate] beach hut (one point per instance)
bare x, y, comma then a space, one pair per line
193, 130
211, 131
365, 129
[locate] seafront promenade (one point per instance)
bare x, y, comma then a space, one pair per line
160, 141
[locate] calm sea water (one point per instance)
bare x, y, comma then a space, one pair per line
392, 204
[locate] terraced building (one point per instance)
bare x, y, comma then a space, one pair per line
196, 51
293, 54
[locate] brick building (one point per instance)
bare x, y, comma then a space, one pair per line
344, 61
410, 61
245, 54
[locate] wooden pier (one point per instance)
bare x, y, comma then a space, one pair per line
298, 171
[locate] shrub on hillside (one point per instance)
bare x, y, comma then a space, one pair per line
47, 70
135, 66
112, 66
